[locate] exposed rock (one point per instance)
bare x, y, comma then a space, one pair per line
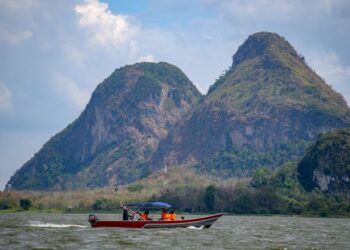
114, 137
326, 164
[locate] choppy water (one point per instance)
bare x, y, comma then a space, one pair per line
72, 231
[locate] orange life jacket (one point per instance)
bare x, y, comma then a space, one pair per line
172, 216
167, 216
144, 216
163, 216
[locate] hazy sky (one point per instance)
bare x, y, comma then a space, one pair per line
54, 53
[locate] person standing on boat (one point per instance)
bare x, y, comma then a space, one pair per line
126, 215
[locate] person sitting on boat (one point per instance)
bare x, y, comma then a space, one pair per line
172, 215
163, 215
144, 216
167, 216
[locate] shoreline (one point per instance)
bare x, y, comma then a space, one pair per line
57, 211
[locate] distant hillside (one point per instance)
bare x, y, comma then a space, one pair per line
114, 137
326, 164
265, 110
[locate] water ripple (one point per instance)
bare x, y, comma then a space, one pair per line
72, 231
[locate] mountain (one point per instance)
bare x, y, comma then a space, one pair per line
263, 111
326, 164
114, 137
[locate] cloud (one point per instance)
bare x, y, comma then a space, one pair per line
329, 66
14, 37
208, 37
104, 27
6, 104
70, 91
15, 20
18, 6
73, 53
285, 9
146, 58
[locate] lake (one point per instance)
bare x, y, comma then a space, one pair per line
72, 231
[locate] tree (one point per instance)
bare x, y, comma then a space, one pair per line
25, 204
209, 197
100, 204
261, 177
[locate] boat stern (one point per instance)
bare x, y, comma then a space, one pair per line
92, 219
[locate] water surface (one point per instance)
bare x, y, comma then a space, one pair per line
72, 231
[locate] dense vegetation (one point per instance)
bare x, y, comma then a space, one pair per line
296, 188
107, 200
326, 165
267, 70
269, 192
231, 161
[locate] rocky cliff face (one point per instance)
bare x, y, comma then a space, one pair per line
114, 137
326, 164
264, 111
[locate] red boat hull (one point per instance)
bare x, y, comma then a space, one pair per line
205, 222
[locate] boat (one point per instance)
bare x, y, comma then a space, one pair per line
200, 222
204, 222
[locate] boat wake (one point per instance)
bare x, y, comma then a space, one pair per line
46, 225
195, 228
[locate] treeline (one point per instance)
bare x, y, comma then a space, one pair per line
10, 204
71, 201
269, 192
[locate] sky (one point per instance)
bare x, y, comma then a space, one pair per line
53, 54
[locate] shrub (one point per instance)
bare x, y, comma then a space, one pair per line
135, 188
25, 203
6, 204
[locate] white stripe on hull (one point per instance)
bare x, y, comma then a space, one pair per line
205, 223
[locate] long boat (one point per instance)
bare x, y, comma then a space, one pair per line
204, 222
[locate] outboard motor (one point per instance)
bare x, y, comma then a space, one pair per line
92, 219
